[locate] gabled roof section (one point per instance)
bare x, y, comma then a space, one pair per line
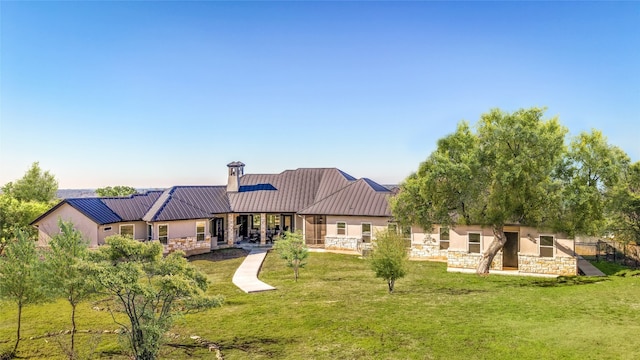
132, 207
189, 202
293, 189
363, 197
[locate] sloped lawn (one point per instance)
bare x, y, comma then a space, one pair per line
338, 310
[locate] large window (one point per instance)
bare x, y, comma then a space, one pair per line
163, 234
444, 238
366, 232
474, 243
341, 228
200, 225
546, 246
256, 221
273, 221
127, 230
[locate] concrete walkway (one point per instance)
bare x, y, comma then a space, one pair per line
587, 269
246, 276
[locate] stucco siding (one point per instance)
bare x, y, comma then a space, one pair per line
48, 226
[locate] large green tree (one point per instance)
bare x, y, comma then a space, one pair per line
20, 280
23, 200
514, 169
624, 207
64, 271
149, 288
116, 191
35, 185
17, 215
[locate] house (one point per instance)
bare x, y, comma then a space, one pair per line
251, 208
331, 208
528, 250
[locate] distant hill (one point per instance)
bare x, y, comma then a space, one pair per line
83, 193
75, 193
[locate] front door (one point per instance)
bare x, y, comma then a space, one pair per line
217, 229
510, 251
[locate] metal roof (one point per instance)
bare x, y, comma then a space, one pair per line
295, 190
327, 191
94, 209
189, 202
132, 207
363, 197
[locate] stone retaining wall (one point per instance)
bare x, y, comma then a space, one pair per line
564, 266
189, 245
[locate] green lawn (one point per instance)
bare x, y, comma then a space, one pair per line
338, 310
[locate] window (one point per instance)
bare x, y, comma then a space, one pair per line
200, 230
444, 238
474, 243
406, 232
149, 232
256, 221
366, 232
341, 228
392, 228
546, 246
107, 228
163, 234
273, 221
127, 230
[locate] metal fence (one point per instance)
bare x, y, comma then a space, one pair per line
610, 251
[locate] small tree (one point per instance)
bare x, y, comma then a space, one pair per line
19, 277
293, 250
64, 272
149, 288
116, 191
389, 257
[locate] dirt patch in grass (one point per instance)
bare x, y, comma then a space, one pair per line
222, 254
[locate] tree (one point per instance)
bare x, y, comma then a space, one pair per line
64, 271
625, 207
35, 185
149, 288
17, 215
19, 277
389, 257
293, 250
515, 169
116, 191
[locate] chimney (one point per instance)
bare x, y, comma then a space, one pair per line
236, 170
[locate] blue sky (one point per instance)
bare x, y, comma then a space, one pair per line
154, 94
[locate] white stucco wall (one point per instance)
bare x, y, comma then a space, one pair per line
48, 226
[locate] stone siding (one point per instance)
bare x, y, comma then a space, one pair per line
189, 245
428, 251
466, 260
341, 243
563, 266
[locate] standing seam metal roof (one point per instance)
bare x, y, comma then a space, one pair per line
363, 197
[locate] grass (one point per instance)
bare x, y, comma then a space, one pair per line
338, 310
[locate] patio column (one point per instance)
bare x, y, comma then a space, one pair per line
263, 228
231, 229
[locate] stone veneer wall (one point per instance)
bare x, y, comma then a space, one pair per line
465, 260
341, 243
428, 251
564, 266
189, 245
